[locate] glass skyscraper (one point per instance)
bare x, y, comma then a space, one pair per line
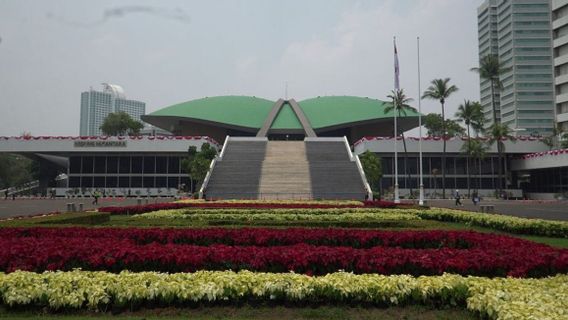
96, 105
519, 33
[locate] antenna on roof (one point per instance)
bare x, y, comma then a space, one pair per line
286, 90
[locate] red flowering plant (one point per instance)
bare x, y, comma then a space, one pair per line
312, 251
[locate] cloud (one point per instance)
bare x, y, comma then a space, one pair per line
176, 14
356, 56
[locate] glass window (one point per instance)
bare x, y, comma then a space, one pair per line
74, 182
173, 165
149, 163
412, 165
124, 164
137, 163
99, 182
136, 182
161, 165
173, 182
75, 165
461, 165
436, 166
388, 165
111, 182
87, 164
461, 183
86, 182
124, 182
148, 182
112, 164
161, 182
450, 166
100, 164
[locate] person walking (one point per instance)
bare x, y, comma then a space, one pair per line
6, 194
458, 198
96, 196
475, 198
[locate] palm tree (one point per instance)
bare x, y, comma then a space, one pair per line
491, 69
400, 103
469, 113
498, 133
477, 150
440, 90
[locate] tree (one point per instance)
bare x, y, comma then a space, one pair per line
373, 168
434, 124
498, 133
554, 140
476, 150
400, 104
441, 90
197, 163
491, 69
120, 124
469, 113
16, 170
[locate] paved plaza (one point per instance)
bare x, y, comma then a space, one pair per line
551, 210
26, 207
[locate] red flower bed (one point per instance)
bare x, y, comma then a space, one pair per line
466, 253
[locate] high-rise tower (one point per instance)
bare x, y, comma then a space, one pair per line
96, 105
519, 33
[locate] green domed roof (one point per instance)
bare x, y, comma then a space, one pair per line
251, 112
336, 110
240, 111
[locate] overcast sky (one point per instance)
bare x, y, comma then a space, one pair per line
166, 52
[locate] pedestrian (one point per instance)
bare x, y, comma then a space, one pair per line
458, 198
475, 197
96, 196
6, 193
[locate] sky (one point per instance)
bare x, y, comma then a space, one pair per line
165, 52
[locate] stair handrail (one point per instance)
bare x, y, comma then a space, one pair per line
22, 187
211, 167
224, 147
357, 161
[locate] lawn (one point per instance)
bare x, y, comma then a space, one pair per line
261, 313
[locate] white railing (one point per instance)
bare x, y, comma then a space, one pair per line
355, 158
211, 167
224, 147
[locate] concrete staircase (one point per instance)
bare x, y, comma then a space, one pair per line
332, 173
285, 171
237, 175
314, 169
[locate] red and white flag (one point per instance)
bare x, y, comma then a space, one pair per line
396, 70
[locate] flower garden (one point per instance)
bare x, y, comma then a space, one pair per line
370, 255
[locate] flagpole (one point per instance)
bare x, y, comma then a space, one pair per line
421, 198
396, 88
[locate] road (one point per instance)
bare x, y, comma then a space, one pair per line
27, 207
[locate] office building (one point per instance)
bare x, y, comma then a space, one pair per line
560, 43
96, 105
519, 33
